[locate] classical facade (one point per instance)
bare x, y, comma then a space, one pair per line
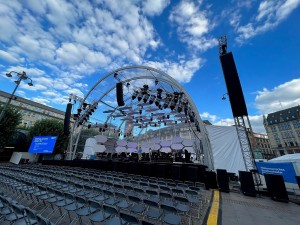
31, 111
261, 146
283, 129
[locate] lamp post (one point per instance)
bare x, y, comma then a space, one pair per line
22, 76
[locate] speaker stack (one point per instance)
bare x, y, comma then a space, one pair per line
210, 180
67, 119
223, 180
276, 187
247, 183
119, 94
233, 85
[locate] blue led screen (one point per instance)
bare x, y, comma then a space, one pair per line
42, 144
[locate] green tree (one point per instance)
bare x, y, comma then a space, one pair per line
8, 125
51, 127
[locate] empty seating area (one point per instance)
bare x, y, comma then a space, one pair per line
50, 194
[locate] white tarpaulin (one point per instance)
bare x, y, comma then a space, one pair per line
294, 158
226, 148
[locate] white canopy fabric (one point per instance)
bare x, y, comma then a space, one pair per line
177, 146
165, 149
99, 148
132, 144
188, 143
131, 150
101, 138
145, 149
155, 140
155, 147
190, 149
89, 148
121, 149
122, 143
294, 158
165, 143
226, 148
176, 140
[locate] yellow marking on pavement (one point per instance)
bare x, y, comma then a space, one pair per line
214, 210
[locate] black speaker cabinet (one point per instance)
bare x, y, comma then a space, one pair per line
223, 180
210, 180
233, 85
119, 93
276, 187
176, 172
298, 181
67, 119
247, 183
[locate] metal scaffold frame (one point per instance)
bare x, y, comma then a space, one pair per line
244, 142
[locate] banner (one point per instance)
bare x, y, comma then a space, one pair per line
42, 144
285, 169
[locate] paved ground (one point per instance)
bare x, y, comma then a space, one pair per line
238, 209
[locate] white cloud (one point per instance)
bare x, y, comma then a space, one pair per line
10, 57
156, 7
269, 14
182, 71
207, 116
283, 96
40, 100
193, 25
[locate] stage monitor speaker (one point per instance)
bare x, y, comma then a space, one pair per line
210, 180
233, 85
247, 183
276, 187
298, 181
67, 119
223, 180
119, 93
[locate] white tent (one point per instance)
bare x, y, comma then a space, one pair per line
294, 158
226, 148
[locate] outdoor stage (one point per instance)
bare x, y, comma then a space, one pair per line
176, 171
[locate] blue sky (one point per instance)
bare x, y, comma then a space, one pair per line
66, 46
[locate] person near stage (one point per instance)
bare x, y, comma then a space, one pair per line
139, 153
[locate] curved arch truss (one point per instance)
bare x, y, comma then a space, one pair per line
149, 100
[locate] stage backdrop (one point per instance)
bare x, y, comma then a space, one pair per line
226, 148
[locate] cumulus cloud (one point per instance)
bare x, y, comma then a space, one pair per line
283, 96
182, 71
269, 14
207, 116
193, 25
151, 8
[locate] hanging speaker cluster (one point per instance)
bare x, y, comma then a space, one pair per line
119, 93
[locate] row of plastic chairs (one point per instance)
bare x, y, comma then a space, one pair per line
16, 214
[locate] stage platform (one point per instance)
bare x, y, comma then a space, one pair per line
176, 171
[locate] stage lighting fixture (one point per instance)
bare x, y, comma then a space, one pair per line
140, 111
105, 125
145, 88
89, 126
100, 129
134, 95
172, 106
167, 101
151, 119
155, 125
168, 116
115, 75
79, 111
165, 123
159, 91
175, 98
175, 121
75, 115
179, 107
84, 105
146, 97
127, 84
136, 120
151, 100
140, 96
156, 81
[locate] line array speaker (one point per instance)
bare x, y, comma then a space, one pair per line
223, 180
233, 85
276, 187
247, 183
67, 119
119, 93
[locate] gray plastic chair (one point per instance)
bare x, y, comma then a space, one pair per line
170, 215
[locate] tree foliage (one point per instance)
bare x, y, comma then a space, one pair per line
51, 127
8, 125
